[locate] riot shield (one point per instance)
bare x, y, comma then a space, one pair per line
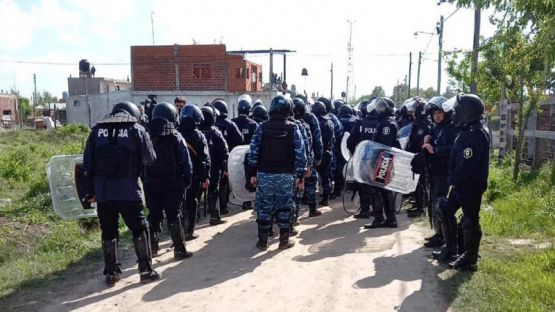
344, 150
403, 136
383, 166
67, 187
351, 198
234, 201
236, 173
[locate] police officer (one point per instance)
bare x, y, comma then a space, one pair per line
345, 113
277, 164
115, 152
366, 129
386, 134
247, 127
191, 117
328, 140
403, 117
439, 146
150, 104
309, 196
338, 130
336, 105
167, 178
468, 179
259, 114
233, 137
421, 127
144, 118
179, 103
219, 153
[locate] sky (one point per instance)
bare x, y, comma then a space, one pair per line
49, 38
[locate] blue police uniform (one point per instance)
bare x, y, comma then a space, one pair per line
200, 156
325, 167
421, 127
347, 122
276, 157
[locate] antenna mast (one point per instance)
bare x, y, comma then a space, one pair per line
350, 61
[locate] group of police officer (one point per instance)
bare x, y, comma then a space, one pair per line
180, 151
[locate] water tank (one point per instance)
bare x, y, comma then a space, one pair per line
64, 95
84, 66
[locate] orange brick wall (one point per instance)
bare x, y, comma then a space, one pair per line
201, 68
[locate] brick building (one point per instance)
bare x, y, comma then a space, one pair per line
9, 108
192, 68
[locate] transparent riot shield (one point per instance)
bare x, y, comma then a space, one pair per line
344, 150
383, 166
351, 198
66, 179
403, 136
236, 173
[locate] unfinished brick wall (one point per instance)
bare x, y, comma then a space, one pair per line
201, 68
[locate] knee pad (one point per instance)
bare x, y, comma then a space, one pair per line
264, 223
469, 224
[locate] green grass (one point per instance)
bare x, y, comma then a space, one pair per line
36, 246
512, 277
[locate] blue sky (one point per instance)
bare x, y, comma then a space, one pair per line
65, 31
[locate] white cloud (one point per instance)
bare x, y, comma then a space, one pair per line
17, 27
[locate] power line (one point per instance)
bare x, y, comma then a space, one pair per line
451, 14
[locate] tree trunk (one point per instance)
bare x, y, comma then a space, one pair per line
475, 48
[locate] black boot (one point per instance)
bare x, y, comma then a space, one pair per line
247, 206
284, 241
325, 199
179, 250
312, 211
142, 249
215, 218
190, 217
377, 223
434, 242
416, 213
262, 243
389, 209
472, 232
111, 265
449, 228
154, 243
365, 200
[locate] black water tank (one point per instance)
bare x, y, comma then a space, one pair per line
84, 66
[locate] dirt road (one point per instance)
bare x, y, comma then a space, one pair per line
335, 266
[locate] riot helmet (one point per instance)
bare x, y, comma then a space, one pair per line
166, 111
327, 103
466, 108
383, 106
260, 113
336, 105
345, 111
256, 103
244, 107
128, 107
209, 114
436, 103
362, 107
371, 107
221, 106
281, 105
299, 107
318, 109
418, 106
192, 112
300, 96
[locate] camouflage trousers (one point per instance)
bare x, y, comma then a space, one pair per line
326, 174
310, 185
274, 196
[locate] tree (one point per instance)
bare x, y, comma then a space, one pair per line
25, 108
378, 91
45, 98
400, 93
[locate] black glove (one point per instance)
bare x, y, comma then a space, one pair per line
418, 163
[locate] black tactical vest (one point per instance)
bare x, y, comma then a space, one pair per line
166, 164
277, 149
115, 151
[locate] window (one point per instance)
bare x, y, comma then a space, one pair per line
6, 112
76, 103
202, 71
238, 72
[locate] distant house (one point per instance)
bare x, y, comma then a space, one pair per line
10, 109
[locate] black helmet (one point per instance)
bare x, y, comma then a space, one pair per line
466, 107
281, 105
256, 103
300, 96
418, 106
345, 111
244, 107
260, 113
436, 103
209, 114
128, 107
221, 106
384, 106
299, 107
327, 103
336, 105
192, 112
166, 111
319, 109
362, 107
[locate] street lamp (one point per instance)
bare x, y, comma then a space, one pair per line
304, 73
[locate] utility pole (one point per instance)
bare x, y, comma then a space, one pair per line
35, 101
418, 74
410, 71
474, 68
440, 54
397, 93
152, 25
331, 70
271, 75
350, 60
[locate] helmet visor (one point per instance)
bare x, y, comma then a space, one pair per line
449, 105
411, 104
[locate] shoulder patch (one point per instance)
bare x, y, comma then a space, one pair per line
420, 131
467, 153
386, 130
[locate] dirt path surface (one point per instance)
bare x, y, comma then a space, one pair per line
334, 266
